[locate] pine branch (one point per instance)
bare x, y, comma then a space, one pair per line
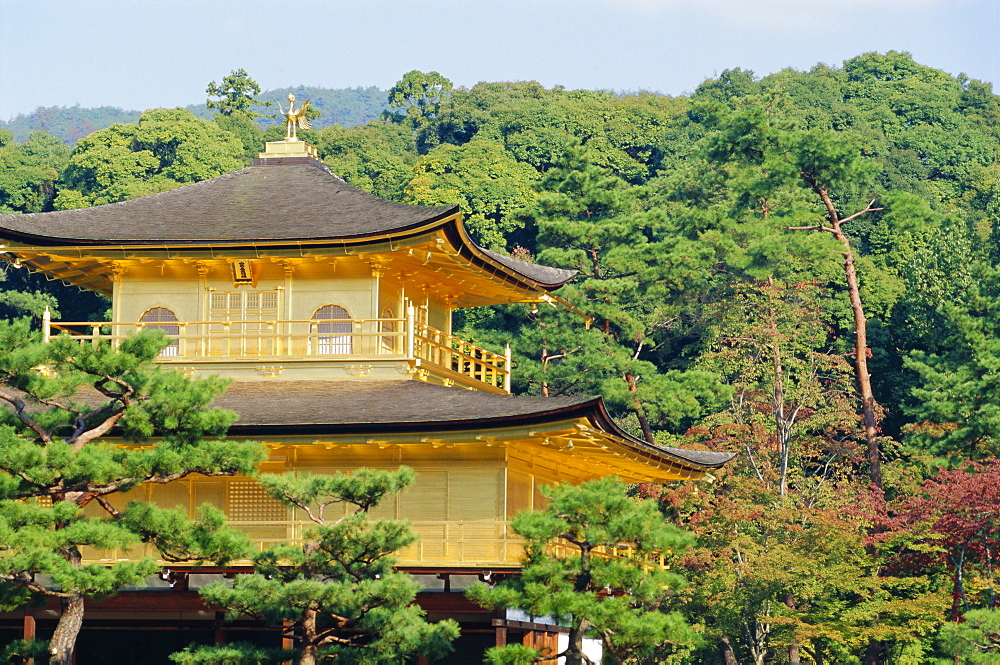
19, 410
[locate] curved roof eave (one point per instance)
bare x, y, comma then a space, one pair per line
509, 411
704, 458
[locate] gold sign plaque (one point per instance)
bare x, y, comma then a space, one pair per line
243, 271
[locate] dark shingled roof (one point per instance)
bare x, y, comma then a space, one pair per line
539, 273
349, 407
287, 202
280, 203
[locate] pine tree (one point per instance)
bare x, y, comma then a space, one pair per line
337, 592
235, 95
63, 400
591, 563
631, 275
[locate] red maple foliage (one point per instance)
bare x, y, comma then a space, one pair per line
953, 522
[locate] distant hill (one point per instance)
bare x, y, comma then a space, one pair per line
344, 106
68, 123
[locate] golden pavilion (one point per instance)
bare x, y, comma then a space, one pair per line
331, 311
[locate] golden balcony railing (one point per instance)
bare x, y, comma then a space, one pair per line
351, 340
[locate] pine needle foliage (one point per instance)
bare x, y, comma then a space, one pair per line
591, 562
336, 592
62, 400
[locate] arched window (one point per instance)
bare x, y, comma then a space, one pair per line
388, 327
161, 318
334, 326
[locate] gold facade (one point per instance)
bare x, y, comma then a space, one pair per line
468, 486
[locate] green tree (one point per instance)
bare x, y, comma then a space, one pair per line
235, 95
792, 578
774, 153
483, 180
955, 404
632, 274
419, 96
29, 171
377, 157
976, 640
244, 128
781, 563
625, 133
233, 653
337, 592
590, 562
167, 148
792, 407
55, 461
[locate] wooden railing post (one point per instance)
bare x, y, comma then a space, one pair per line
411, 315
508, 359
46, 325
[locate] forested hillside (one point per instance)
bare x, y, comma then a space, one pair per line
346, 107
801, 268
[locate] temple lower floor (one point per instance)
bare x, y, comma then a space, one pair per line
145, 626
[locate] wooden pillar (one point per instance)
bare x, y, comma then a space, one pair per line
500, 625
219, 636
287, 641
28, 626
410, 330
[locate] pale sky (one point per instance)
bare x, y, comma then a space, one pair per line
145, 54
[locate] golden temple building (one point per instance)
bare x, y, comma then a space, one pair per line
331, 311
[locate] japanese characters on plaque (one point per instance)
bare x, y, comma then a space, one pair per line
243, 271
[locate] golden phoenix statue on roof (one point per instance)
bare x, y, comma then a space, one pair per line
294, 117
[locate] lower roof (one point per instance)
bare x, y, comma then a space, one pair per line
354, 407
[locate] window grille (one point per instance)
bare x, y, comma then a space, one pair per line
161, 318
250, 321
333, 323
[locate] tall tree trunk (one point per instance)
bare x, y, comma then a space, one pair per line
727, 651
861, 362
307, 655
860, 327
63, 642
640, 413
780, 425
958, 588
873, 654
793, 646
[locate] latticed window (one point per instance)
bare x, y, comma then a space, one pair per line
243, 322
250, 307
250, 502
161, 318
334, 326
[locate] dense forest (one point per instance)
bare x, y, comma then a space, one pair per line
801, 268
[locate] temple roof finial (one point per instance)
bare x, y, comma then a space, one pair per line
294, 117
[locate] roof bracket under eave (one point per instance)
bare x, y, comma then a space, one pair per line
555, 300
